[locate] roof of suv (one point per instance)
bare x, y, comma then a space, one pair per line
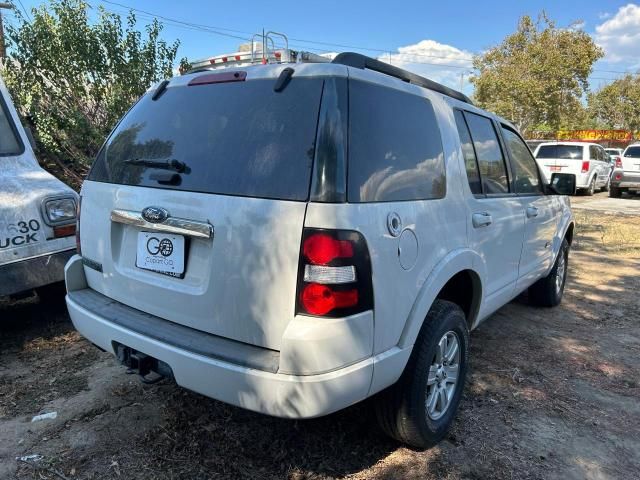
581, 144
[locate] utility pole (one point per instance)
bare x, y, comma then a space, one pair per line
3, 50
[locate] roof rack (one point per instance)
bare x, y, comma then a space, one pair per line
363, 62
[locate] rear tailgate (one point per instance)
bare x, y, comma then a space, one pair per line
239, 284
631, 159
559, 158
229, 162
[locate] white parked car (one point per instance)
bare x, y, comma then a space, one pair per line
37, 214
587, 161
626, 176
295, 238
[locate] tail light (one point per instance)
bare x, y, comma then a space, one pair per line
618, 176
585, 166
334, 274
618, 162
79, 208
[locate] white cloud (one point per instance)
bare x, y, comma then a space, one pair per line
619, 35
604, 15
438, 61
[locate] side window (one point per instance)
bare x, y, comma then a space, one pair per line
493, 170
470, 161
593, 152
525, 170
395, 148
9, 142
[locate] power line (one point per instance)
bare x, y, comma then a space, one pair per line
25, 11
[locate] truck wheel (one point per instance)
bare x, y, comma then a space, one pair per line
419, 409
615, 192
591, 188
547, 292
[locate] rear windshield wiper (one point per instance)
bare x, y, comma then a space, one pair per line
169, 164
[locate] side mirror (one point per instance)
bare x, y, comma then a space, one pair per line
563, 184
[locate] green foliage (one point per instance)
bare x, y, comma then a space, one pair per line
73, 77
617, 105
537, 75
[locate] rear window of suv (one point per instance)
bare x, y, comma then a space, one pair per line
565, 152
633, 152
238, 138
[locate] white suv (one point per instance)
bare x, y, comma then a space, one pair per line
588, 161
293, 239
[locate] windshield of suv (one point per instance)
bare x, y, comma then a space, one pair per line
9, 142
633, 152
565, 152
239, 138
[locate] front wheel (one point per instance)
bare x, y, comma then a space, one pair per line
591, 189
607, 186
419, 409
548, 291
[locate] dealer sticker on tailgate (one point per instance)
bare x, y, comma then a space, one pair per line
160, 252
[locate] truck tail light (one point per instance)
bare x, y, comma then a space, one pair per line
585, 166
79, 208
334, 274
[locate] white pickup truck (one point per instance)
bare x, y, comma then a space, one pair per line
37, 213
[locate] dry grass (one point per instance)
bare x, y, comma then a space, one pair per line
612, 234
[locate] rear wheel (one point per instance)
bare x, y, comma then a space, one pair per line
615, 192
591, 188
607, 186
419, 409
548, 291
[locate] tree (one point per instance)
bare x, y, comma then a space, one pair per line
72, 78
537, 75
617, 105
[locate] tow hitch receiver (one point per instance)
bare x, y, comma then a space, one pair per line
151, 370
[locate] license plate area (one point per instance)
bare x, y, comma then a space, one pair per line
555, 169
161, 253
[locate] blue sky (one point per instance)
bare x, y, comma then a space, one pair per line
417, 34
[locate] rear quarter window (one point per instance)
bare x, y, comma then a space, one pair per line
395, 148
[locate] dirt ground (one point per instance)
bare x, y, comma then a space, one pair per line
553, 394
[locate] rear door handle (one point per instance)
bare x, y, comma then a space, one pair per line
532, 212
481, 219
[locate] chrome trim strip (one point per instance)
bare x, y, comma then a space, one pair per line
180, 226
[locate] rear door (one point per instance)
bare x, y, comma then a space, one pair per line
496, 213
194, 208
560, 158
540, 210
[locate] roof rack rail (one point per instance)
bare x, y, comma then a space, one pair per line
362, 62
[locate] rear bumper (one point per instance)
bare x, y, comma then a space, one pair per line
625, 180
230, 371
35, 272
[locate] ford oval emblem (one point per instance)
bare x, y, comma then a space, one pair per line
155, 214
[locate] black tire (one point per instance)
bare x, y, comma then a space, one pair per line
545, 292
52, 294
401, 409
615, 192
607, 186
591, 189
